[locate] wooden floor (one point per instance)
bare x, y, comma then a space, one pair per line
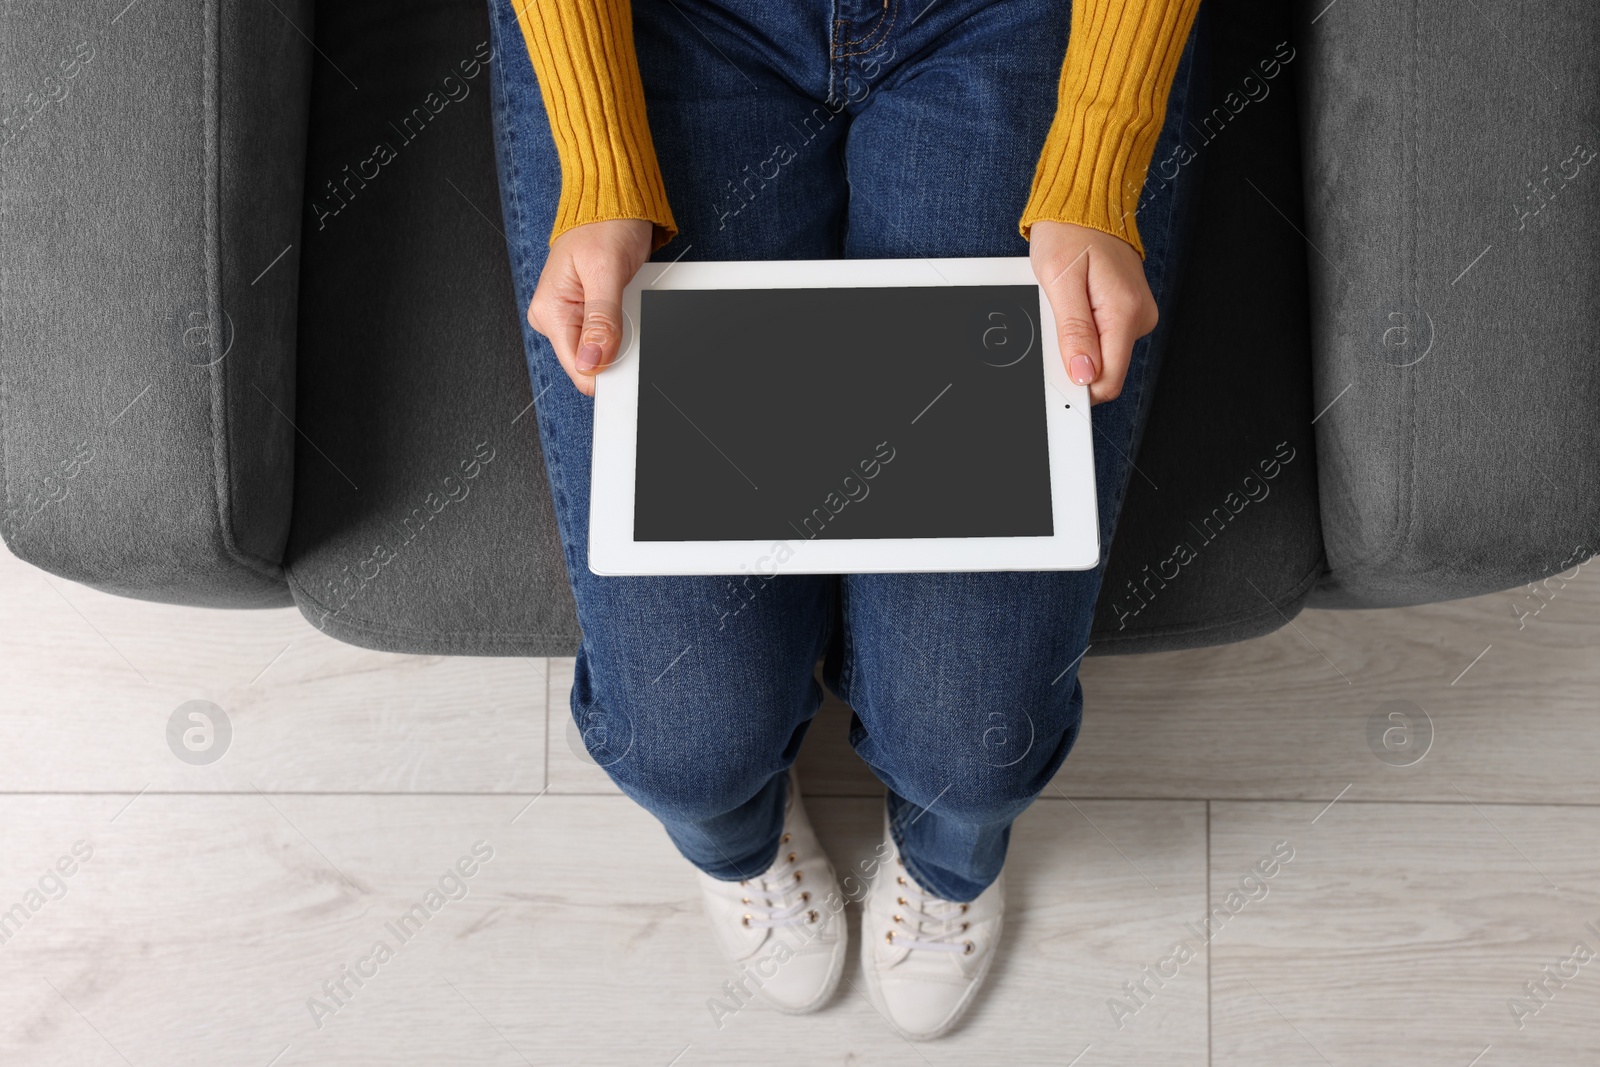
1422, 911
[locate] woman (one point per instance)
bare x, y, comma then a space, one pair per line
814, 130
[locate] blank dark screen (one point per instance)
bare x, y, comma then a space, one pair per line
841, 413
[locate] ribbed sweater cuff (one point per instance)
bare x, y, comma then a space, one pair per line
1111, 101
583, 54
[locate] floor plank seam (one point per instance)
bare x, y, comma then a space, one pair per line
548, 724
1209, 992
814, 795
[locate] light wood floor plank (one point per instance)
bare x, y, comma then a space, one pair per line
1400, 933
88, 682
1513, 711
202, 925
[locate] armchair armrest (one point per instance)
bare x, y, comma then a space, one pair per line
1452, 205
150, 199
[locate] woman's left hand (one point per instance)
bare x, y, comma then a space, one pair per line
1102, 304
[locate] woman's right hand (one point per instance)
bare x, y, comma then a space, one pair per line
578, 302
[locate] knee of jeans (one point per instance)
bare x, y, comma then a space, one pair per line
973, 795
986, 764
691, 764
677, 785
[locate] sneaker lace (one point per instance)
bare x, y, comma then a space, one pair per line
934, 923
775, 897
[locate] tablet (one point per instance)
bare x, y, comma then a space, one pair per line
840, 416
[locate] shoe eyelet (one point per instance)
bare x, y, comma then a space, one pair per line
899, 880
900, 901
813, 915
746, 920
784, 840
963, 909
969, 949
898, 919
964, 927
791, 857
889, 937
805, 897
797, 875
744, 900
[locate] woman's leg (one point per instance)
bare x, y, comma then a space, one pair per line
693, 693
965, 685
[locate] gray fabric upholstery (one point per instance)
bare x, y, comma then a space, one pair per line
410, 359
1220, 538
1454, 338
151, 172
411, 366
154, 348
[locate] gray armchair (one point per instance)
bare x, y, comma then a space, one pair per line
244, 363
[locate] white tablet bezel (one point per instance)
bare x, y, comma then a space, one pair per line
1075, 545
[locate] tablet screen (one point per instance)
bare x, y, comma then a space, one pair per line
841, 413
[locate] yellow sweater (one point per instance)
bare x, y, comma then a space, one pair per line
1110, 103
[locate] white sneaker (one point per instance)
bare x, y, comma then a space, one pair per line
776, 928
924, 957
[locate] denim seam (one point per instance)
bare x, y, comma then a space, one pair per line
509, 133
833, 48
893, 8
851, 22
520, 258
552, 451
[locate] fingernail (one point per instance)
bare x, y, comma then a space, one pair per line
1082, 369
589, 357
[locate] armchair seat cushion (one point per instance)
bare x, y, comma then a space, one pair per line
422, 513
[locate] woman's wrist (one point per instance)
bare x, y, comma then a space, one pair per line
662, 230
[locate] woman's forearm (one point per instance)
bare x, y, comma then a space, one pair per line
1111, 100
582, 51
1111, 103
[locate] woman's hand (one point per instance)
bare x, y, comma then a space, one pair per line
578, 302
1101, 301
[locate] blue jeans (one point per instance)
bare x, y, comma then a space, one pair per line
914, 128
